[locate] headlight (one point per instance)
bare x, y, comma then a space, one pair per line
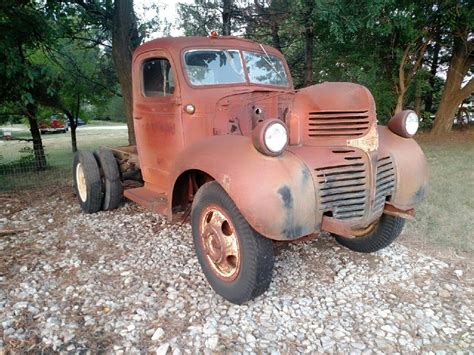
270, 137
412, 123
404, 123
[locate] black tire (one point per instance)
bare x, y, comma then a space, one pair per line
256, 251
111, 179
91, 200
385, 232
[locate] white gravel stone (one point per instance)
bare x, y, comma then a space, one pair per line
158, 334
163, 349
358, 346
113, 281
212, 342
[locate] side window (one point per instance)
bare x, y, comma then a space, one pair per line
158, 77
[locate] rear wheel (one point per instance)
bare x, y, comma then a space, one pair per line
111, 179
87, 181
236, 260
375, 237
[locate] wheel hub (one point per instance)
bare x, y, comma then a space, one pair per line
81, 182
213, 244
220, 243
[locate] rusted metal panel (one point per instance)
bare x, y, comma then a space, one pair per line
410, 168
332, 113
335, 226
351, 185
339, 166
157, 123
128, 161
393, 211
274, 194
367, 143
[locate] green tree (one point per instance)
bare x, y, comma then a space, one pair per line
458, 27
25, 84
80, 76
116, 27
204, 16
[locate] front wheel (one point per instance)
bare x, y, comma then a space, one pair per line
378, 236
236, 260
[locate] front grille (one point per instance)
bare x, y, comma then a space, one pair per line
343, 187
385, 182
336, 124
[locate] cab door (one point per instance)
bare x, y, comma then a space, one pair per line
156, 116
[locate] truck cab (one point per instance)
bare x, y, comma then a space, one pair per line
222, 132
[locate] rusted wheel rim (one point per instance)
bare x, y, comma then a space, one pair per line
220, 243
362, 232
81, 182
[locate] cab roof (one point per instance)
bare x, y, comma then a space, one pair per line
176, 44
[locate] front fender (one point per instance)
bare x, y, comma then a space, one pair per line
411, 168
276, 195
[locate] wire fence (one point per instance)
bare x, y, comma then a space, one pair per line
19, 168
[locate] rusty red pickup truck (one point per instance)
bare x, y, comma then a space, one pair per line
222, 133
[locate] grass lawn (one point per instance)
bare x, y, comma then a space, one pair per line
104, 123
58, 153
444, 220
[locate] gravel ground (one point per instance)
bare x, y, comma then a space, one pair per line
127, 281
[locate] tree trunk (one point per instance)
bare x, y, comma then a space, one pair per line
308, 56
453, 92
125, 39
73, 138
432, 80
401, 85
400, 97
38, 149
418, 105
72, 126
276, 42
226, 18
445, 115
404, 74
308, 42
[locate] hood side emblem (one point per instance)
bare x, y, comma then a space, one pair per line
367, 143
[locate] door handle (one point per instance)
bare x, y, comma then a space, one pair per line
138, 117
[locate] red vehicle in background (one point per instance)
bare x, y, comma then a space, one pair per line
55, 123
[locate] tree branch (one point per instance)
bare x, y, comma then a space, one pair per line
420, 53
94, 41
467, 89
401, 70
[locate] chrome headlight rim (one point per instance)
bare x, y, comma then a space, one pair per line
405, 123
262, 134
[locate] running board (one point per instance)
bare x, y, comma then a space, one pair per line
150, 199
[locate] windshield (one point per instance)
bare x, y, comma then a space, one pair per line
211, 67
265, 69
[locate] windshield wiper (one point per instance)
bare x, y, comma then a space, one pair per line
268, 60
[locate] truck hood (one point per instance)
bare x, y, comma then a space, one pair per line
331, 113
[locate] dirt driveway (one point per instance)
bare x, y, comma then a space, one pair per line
127, 281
